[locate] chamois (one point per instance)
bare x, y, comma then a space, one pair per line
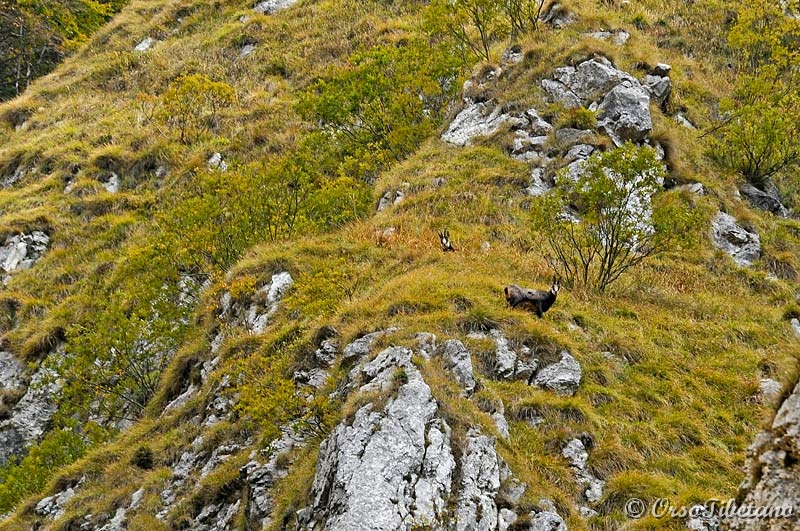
444, 239
532, 299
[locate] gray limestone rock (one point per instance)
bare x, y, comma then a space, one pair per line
562, 377
743, 246
269, 7
145, 44
30, 417
389, 469
476, 509
625, 113
479, 119
772, 479
547, 521
21, 251
458, 362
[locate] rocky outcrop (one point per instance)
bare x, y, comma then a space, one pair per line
390, 197
479, 119
618, 37
625, 113
255, 317
21, 251
767, 199
743, 245
54, 506
576, 452
458, 362
30, 417
145, 44
394, 467
621, 101
773, 475
562, 377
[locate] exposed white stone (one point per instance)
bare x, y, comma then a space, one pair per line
145, 44
478, 119
562, 377
458, 362
216, 162
743, 246
270, 7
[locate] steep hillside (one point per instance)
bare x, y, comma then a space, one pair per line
226, 302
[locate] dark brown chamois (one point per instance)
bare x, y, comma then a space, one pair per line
532, 299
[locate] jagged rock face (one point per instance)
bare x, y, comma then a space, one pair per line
458, 361
743, 246
395, 468
389, 469
773, 478
31, 416
21, 251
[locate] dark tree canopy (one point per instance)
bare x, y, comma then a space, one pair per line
35, 35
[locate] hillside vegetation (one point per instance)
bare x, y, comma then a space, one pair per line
178, 180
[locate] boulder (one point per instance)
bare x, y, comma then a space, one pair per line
562, 377
659, 88
547, 521
625, 113
619, 37
21, 251
537, 185
768, 199
744, 246
390, 197
592, 79
578, 456
216, 162
770, 389
479, 119
144, 45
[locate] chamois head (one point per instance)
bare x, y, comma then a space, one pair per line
555, 286
444, 239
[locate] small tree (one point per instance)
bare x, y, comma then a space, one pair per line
192, 104
760, 134
473, 25
523, 15
599, 226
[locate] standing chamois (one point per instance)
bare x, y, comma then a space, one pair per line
532, 299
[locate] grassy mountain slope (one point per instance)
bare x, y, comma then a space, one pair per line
671, 409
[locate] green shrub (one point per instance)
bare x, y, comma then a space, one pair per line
192, 104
